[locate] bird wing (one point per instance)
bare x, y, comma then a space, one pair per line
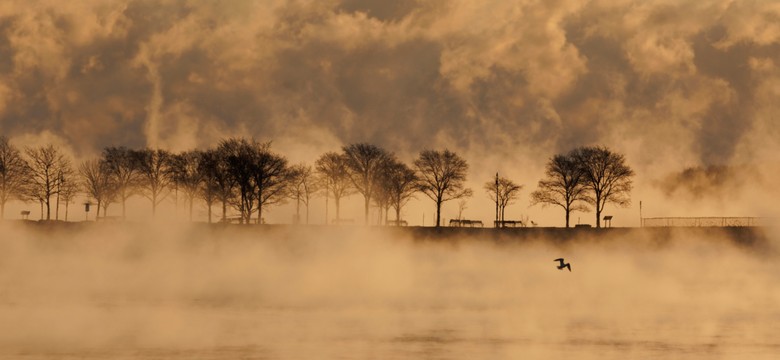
559, 259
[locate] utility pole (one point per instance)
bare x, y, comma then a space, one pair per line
496, 224
641, 222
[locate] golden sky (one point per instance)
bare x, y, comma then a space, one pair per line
673, 85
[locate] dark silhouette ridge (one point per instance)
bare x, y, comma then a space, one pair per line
562, 264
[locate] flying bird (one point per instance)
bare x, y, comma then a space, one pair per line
562, 264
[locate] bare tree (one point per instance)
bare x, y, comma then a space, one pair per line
332, 169
462, 206
302, 186
187, 175
14, 174
272, 176
364, 164
505, 194
120, 164
606, 175
400, 184
563, 186
218, 184
240, 163
98, 184
154, 169
46, 165
442, 177
69, 188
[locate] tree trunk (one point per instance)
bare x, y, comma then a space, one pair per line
191, 201
567, 217
209, 206
66, 211
326, 207
224, 210
259, 213
124, 207
57, 210
598, 216
438, 213
97, 212
41, 202
338, 208
2, 211
398, 216
368, 200
48, 209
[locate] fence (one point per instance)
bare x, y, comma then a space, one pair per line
705, 221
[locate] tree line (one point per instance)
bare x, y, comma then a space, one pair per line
248, 176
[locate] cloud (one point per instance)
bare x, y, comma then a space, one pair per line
671, 84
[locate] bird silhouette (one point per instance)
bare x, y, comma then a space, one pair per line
562, 264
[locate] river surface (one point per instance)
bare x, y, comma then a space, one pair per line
363, 296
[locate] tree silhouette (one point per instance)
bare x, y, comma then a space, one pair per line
505, 195
239, 157
155, 172
442, 177
188, 175
98, 183
400, 184
120, 164
46, 165
14, 174
563, 185
67, 189
218, 184
271, 176
332, 169
302, 186
606, 175
364, 165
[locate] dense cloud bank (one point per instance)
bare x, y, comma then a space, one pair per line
672, 85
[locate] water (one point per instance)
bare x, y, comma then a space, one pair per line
183, 294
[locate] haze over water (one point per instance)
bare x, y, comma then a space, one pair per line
156, 292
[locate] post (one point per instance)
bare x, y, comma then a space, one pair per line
641, 222
496, 223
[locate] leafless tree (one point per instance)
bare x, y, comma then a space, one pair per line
272, 177
400, 185
563, 186
14, 174
505, 194
98, 184
121, 165
364, 164
46, 165
303, 185
154, 169
187, 175
333, 172
606, 176
218, 183
69, 188
462, 206
240, 163
442, 177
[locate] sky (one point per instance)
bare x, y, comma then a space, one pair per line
686, 90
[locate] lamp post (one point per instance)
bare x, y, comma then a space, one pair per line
86, 210
496, 200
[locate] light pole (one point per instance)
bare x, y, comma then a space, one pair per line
496, 200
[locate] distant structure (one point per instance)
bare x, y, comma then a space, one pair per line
464, 223
705, 221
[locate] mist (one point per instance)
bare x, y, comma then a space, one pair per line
126, 291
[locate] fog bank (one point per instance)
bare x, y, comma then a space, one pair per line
127, 291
